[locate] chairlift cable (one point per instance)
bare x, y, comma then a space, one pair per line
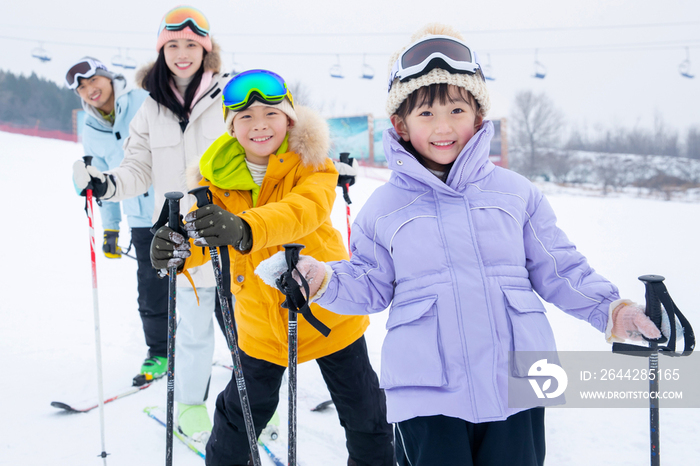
397, 33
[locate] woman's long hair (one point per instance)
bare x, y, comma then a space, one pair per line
157, 83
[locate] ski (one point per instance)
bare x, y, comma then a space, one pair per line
275, 459
322, 406
72, 409
153, 412
156, 414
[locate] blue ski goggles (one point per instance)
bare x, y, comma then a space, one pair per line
254, 85
430, 52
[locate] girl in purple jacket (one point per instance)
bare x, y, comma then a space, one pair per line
456, 248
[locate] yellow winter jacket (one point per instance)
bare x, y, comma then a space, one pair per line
293, 206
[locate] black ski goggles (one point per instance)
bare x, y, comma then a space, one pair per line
443, 52
85, 68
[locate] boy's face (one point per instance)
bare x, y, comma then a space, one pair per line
97, 91
183, 57
439, 131
261, 131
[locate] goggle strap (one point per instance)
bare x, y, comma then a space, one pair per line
189, 22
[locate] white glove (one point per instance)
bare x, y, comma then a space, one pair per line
102, 185
316, 273
345, 169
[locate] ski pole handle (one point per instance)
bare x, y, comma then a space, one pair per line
344, 180
653, 302
653, 311
291, 254
88, 161
173, 198
296, 301
202, 194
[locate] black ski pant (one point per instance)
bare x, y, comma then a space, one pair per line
153, 295
355, 391
448, 441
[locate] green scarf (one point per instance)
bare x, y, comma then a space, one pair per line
224, 165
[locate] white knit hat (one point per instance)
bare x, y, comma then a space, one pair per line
285, 106
472, 82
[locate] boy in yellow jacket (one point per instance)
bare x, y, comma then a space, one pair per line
272, 183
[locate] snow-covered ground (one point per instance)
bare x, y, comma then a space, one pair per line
47, 350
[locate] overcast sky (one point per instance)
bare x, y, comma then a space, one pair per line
608, 62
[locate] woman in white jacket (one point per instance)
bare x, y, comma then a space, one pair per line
173, 128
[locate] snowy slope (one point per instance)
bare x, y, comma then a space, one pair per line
47, 332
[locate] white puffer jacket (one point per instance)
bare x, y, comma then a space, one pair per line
158, 151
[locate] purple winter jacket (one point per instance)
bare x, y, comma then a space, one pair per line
459, 264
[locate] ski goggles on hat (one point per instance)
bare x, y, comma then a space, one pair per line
432, 52
85, 68
181, 17
254, 85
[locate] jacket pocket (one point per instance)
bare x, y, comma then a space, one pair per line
530, 328
411, 352
166, 135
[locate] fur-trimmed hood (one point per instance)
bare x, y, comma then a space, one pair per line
212, 62
309, 138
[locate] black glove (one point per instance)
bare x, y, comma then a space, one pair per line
169, 249
110, 246
103, 186
213, 226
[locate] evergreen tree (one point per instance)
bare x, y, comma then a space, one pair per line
35, 101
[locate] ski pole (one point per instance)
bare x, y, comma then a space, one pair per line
96, 312
292, 365
656, 294
295, 302
173, 201
343, 181
203, 196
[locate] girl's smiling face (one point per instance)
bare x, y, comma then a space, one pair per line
439, 130
183, 57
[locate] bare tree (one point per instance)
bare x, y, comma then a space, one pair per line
692, 143
300, 93
536, 127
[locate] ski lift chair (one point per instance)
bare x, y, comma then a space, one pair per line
367, 71
41, 54
487, 71
118, 60
684, 67
336, 71
129, 63
540, 69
